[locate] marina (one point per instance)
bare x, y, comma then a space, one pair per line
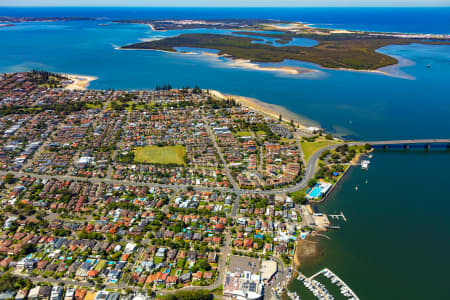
320, 291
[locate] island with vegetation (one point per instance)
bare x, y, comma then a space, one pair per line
336, 49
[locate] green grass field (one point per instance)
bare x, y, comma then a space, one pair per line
309, 148
94, 105
160, 155
243, 133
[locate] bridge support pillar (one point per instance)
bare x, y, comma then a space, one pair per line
385, 147
427, 147
405, 147
448, 147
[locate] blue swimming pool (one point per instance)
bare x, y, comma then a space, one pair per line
315, 192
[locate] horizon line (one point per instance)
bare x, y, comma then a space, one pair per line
201, 6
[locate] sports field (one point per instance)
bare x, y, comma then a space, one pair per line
160, 155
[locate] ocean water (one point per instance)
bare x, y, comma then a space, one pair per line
395, 244
392, 19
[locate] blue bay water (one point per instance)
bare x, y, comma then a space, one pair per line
395, 209
352, 104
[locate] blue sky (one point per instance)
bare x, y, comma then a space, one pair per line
232, 3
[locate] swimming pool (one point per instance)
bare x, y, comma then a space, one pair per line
316, 192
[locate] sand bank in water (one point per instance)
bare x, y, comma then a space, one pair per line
304, 250
247, 64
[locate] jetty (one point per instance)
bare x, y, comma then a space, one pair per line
338, 216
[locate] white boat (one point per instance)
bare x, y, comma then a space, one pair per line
365, 164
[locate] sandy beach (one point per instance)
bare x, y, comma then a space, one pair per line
247, 64
268, 109
380, 71
80, 82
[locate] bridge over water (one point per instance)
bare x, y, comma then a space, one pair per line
413, 143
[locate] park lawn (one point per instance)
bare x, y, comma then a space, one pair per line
243, 133
260, 132
160, 155
309, 148
94, 105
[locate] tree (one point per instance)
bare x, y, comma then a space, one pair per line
195, 268
299, 198
190, 295
312, 182
280, 118
27, 249
9, 178
10, 282
204, 265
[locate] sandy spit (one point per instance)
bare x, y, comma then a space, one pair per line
80, 82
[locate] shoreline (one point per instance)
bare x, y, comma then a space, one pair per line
158, 50
304, 250
271, 110
80, 82
249, 65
